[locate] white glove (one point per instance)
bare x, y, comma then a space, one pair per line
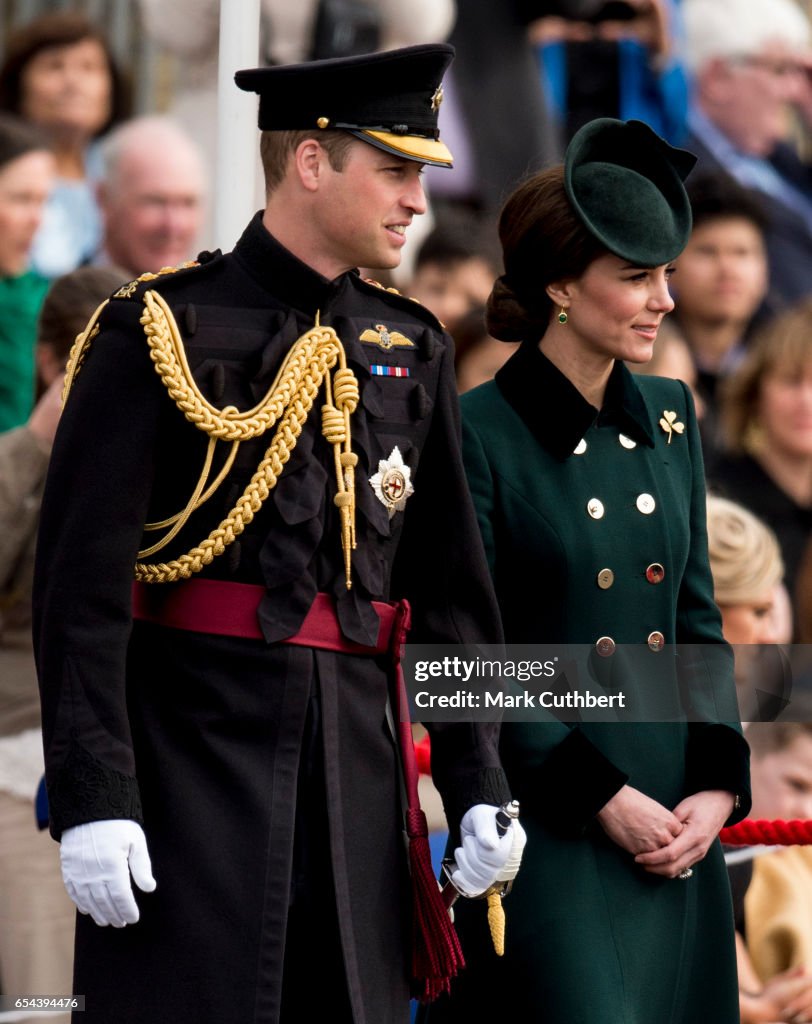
97, 860
485, 857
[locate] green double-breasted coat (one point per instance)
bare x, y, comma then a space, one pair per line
594, 526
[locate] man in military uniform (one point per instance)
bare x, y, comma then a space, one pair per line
224, 722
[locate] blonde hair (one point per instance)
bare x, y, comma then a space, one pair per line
745, 558
786, 344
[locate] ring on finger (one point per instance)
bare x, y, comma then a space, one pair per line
685, 874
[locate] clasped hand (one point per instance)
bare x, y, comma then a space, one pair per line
97, 861
665, 842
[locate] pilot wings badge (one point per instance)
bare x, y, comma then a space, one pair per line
385, 338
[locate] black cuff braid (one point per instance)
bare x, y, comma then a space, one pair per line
84, 789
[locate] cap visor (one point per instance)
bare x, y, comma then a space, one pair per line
412, 147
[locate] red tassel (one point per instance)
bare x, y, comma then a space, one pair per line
436, 951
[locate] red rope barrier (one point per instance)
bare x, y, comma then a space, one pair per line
768, 833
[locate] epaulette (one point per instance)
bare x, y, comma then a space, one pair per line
81, 346
406, 301
127, 291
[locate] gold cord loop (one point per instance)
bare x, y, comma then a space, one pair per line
285, 406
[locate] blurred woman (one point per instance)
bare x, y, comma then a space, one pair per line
767, 425
59, 74
26, 178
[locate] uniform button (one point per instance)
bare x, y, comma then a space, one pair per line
580, 448
656, 640
605, 579
595, 508
605, 646
627, 442
655, 573
645, 504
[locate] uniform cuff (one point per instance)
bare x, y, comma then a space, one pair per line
719, 758
488, 786
85, 789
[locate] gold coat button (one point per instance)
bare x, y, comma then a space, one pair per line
645, 504
605, 579
595, 508
627, 442
655, 573
656, 640
580, 448
605, 646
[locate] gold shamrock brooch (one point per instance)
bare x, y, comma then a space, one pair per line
670, 423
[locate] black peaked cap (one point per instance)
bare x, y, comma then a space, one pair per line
389, 99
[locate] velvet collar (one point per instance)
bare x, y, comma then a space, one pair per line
557, 413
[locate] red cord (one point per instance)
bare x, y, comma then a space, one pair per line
768, 833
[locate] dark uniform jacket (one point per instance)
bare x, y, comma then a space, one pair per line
228, 748
594, 526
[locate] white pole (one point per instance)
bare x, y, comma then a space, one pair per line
237, 133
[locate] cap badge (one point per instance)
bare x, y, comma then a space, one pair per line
392, 483
670, 423
437, 99
385, 338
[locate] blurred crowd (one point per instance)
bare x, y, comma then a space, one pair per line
94, 193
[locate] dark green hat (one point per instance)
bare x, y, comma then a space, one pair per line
626, 184
389, 99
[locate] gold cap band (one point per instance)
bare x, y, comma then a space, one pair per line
413, 147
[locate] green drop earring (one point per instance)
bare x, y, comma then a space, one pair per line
562, 317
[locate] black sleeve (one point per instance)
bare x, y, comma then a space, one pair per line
441, 569
93, 512
718, 756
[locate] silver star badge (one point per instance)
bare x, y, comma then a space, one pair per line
392, 483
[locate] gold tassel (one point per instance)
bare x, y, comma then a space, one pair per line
496, 922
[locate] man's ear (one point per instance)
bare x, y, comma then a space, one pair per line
560, 292
309, 161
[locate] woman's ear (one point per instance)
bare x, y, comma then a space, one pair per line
560, 292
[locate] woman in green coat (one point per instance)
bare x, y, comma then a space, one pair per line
589, 487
